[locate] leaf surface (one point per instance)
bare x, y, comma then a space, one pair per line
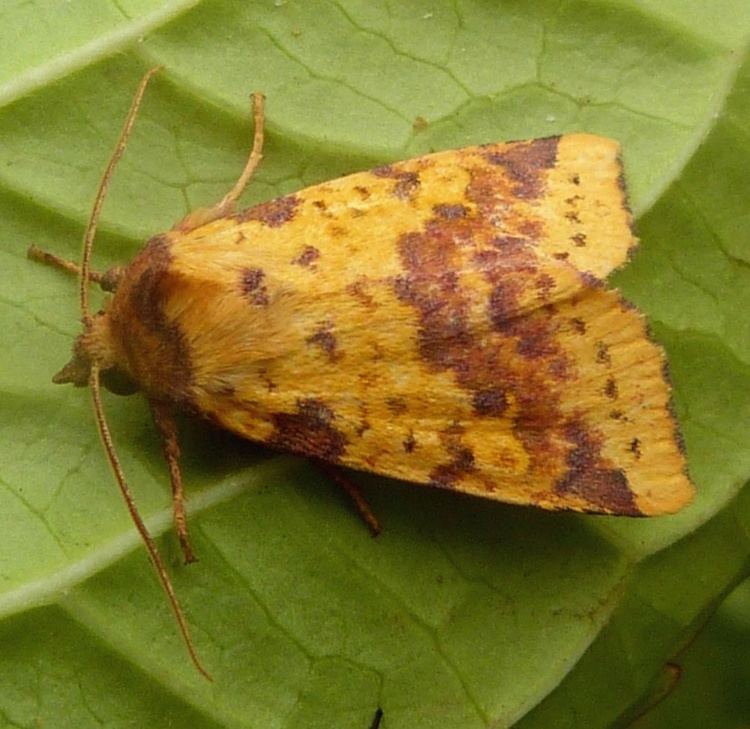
463, 613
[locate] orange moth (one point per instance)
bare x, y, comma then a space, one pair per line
441, 320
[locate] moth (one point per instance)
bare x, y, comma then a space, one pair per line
442, 320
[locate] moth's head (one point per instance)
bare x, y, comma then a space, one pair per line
94, 345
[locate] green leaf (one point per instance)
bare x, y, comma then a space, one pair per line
713, 674
463, 613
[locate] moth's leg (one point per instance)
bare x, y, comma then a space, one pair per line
165, 424
227, 204
355, 494
107, 280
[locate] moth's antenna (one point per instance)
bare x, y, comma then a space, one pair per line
101, 421
101, 193
148, 540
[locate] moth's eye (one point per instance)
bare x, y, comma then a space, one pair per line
111, 279
118, 382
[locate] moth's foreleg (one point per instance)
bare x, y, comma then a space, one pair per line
227, 204
107, 280
165, 424
354, 493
